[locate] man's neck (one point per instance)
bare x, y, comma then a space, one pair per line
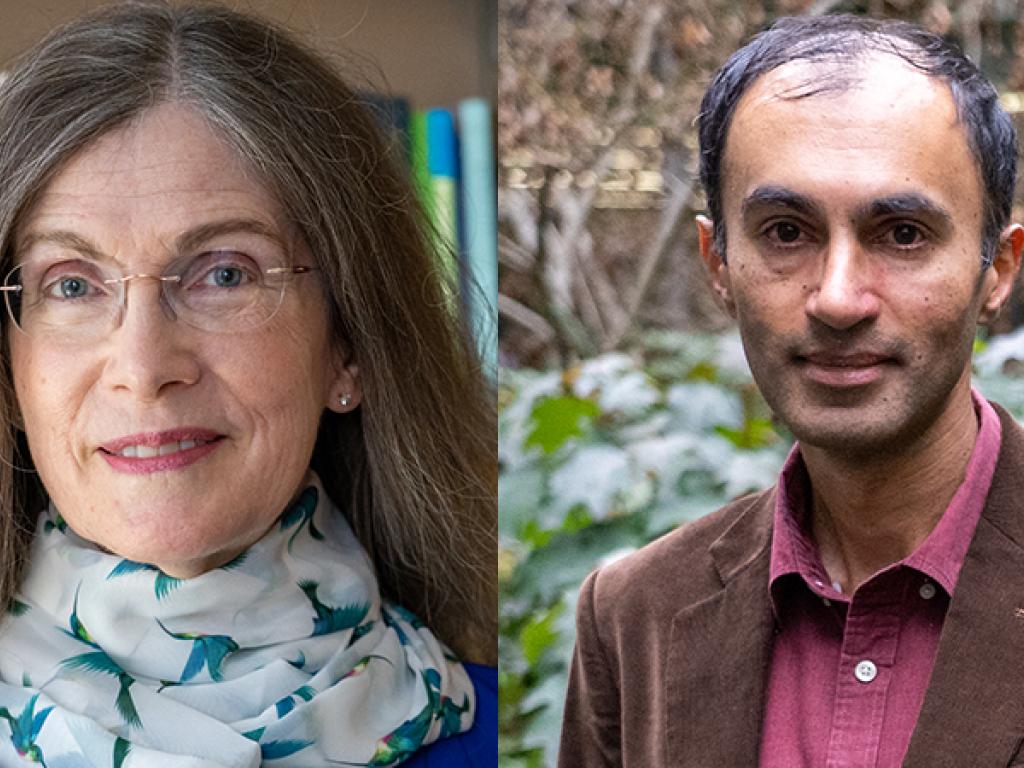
869, 513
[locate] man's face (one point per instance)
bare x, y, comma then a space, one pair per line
854, 221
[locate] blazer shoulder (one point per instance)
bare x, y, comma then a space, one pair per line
678, 567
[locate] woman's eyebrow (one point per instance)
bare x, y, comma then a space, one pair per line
197, 236
187, 241
66, 239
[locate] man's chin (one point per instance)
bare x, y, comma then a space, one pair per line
853, 441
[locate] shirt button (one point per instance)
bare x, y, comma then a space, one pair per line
927, 591
865, 671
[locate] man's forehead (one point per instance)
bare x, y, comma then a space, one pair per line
811, 105
845, 134
882, 72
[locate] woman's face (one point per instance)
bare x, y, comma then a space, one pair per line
236, 414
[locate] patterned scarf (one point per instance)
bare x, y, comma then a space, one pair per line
285, 656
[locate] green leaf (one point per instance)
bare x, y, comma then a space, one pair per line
536, 536
703, 371
556, 420
577, 519
756, 433
540, 634
568, 557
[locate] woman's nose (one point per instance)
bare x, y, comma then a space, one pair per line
148, 351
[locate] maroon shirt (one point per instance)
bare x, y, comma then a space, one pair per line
848, 674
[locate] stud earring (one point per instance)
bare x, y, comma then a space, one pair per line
344, 400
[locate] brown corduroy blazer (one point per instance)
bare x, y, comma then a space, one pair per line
674, 643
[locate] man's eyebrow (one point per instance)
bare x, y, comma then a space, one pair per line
780, 197
187, 241
905, 203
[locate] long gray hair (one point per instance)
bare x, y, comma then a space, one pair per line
414, 468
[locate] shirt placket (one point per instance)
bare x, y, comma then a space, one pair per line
870, 639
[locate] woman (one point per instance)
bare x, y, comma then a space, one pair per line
248, 477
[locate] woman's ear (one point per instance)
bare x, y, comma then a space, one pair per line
346, 391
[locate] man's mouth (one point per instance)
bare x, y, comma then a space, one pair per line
843, 370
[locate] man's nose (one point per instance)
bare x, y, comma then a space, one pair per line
844, 293
148, 351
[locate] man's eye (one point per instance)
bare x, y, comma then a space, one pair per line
784, 232
906, 235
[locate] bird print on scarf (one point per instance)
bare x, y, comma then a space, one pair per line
208, 651
25, 730
99, 662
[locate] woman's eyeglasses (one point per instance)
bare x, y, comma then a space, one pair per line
79, 300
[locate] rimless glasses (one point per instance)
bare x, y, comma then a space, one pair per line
76, 300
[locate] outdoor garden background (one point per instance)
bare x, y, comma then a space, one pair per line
626, 406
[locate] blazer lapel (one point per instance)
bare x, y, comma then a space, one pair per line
973, 712
719, 651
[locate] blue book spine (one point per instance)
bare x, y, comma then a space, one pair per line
480, 226
442, 163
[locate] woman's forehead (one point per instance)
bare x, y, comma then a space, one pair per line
161, 171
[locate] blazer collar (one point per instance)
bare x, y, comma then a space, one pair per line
719, 651
973, 711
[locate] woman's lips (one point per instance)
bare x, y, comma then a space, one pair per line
844, 371
147, 452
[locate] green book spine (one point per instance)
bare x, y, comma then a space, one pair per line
418, 160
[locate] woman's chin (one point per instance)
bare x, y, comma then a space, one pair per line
180, 554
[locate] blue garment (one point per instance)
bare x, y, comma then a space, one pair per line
477, 747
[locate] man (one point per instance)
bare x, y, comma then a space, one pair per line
869, 609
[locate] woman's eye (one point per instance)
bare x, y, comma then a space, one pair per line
226, 277
70, 287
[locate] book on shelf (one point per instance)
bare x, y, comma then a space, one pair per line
452, 166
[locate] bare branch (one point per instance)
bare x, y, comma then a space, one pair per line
516, 208
552, 278
680, 194
589, 299
532, 321
969, 15
639, 60
513, 255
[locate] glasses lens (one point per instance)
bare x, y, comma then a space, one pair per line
12, 295
226, 291
70, 297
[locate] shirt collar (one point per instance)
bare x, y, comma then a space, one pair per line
939, 556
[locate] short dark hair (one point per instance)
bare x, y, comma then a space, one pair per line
842, 40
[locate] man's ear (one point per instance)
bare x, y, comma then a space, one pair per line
346, 391
718, 270
1000, 277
